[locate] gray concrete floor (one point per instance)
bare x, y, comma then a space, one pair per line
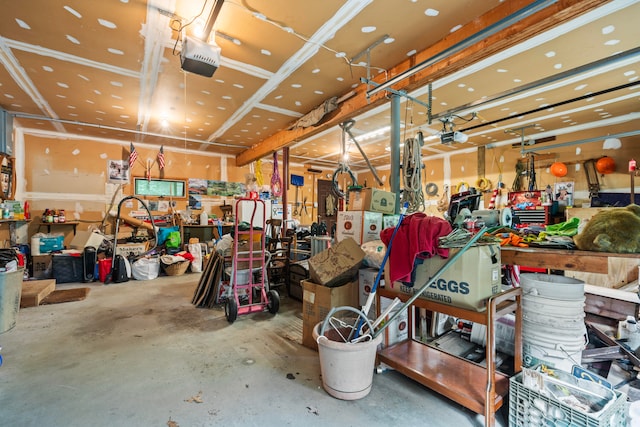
139, 354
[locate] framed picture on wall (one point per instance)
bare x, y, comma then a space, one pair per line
118, 171
7, 177
173, 188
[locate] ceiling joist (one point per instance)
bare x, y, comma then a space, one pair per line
555, 14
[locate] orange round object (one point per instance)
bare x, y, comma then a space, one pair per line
605, 165
558, 169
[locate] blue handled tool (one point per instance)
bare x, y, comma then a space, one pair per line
367, 306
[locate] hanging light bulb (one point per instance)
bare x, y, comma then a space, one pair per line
198, 28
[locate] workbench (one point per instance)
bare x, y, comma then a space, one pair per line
561, 259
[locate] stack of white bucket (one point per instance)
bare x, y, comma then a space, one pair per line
553, 327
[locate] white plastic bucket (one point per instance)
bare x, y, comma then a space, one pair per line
547, 307
553, 328
346, 368
552, 286
10, 294
562, 357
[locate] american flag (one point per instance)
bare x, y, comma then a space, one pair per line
133, 156
161, 157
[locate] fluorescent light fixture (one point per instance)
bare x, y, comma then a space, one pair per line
373, 134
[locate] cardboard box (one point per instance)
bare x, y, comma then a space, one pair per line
398, 329
468, 283
361, 226
337, 265
318, 300
82, 239
42, 266
372, 199
126, 249
244, 252
366, 280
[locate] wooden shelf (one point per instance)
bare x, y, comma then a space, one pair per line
561, 259
458, 379
73, 224
476, 387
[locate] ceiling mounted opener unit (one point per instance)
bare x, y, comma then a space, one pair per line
202, 56
199, 57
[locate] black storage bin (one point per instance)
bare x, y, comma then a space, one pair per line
298, 271
68, 268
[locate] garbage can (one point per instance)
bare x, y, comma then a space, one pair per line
10, 293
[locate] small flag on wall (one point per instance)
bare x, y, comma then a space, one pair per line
161, 158
133, 156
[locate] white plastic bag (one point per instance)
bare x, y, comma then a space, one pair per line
195, 249
146, 268
373, 253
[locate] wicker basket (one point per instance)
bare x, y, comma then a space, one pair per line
177, 268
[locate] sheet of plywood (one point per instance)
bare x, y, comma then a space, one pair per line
34, 291
66, 295
621, 272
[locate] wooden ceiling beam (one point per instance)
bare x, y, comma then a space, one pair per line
552, 16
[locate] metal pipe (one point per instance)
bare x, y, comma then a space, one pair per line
488, 31
215, 11
347, 129
435, 277
394, 175
557, 104
285, 190
581, 141
135, 132
631, 53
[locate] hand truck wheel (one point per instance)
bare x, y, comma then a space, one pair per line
231, 309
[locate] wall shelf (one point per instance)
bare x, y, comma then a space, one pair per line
73, 224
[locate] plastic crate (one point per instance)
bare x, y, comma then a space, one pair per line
521, 398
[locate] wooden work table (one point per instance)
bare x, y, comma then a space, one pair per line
481, 389
561, 259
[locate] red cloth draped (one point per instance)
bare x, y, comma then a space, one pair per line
417, 237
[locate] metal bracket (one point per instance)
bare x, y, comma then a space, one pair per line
397, 92
592, 177
346, 128
521, 129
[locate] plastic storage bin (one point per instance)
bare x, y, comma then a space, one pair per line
68, 268
522, 398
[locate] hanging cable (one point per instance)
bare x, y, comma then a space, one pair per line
412, 168
531, 172
517, 181
276, 182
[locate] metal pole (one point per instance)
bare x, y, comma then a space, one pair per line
394, 145
435, 277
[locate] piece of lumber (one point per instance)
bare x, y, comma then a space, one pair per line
66, 295
34, 291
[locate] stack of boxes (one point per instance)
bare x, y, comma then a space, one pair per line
363, 219
333, 283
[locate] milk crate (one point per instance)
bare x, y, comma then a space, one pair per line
522, 398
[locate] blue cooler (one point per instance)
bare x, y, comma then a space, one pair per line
50, 244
